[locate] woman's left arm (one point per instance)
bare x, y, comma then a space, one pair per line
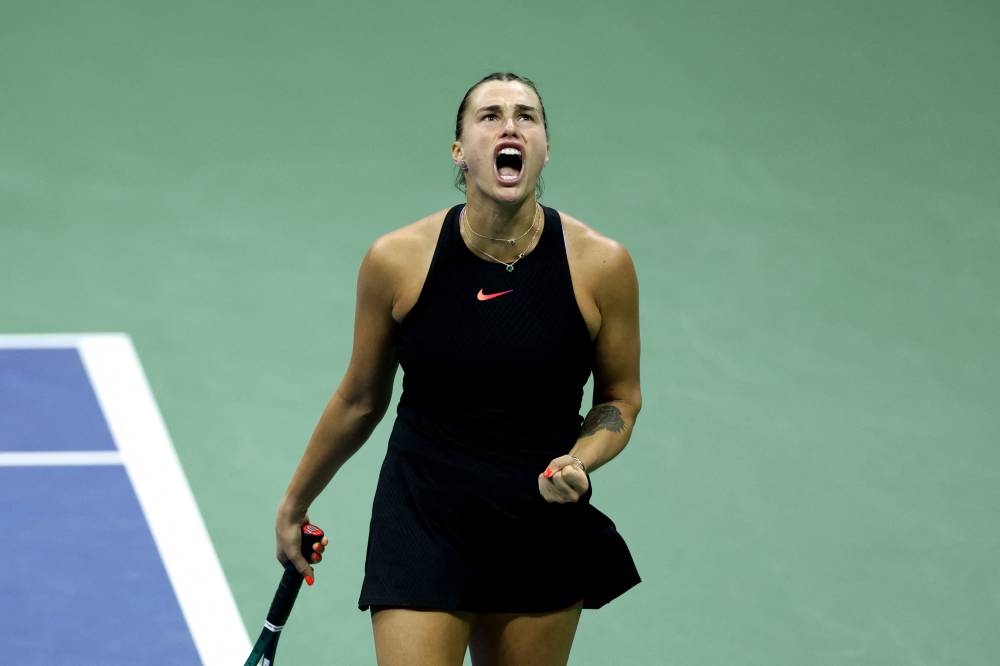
617, 396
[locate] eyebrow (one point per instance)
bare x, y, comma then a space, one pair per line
517, 107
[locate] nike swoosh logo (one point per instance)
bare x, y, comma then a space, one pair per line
485, 297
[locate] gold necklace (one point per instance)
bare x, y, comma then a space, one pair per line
510, 264
510, 241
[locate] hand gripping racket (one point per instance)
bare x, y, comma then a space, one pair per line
284, 598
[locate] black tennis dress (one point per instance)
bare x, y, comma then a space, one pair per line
494, 366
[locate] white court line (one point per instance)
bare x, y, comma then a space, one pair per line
46, 340
58, 458
163, 492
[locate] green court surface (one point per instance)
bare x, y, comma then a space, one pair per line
811, 194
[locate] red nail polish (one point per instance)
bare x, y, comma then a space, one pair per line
309, 580
549, 473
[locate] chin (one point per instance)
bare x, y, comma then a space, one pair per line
513, 193
506, 195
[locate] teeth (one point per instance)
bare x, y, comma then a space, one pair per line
510, 151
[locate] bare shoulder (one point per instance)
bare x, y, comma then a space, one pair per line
399, 260
595, 259
400, 247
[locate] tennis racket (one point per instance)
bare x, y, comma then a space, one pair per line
284, 598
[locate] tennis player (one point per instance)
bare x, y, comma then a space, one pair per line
483, 536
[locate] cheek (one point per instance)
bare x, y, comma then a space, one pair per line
481, 154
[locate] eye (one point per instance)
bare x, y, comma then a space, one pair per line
489, 116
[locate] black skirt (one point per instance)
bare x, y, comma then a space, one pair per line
464, 528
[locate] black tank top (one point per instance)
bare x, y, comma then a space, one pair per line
496, 358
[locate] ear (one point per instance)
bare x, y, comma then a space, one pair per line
457, 154
546, 152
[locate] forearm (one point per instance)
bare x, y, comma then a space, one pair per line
342, 429
605, 432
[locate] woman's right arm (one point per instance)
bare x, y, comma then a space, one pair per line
355, 408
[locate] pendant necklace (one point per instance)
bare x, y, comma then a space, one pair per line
509, 265
510, 241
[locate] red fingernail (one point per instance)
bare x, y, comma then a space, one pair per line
309, 580
549, 473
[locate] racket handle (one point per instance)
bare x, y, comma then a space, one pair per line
311, 535
291, 579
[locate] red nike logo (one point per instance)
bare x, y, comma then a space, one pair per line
485, 297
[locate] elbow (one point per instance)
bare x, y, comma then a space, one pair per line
628, 402
365, 407
635, 403
635, 400
632, 401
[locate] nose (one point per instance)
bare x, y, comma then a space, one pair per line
508, 127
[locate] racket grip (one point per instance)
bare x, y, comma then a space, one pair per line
284, 596
311, 535
291, 579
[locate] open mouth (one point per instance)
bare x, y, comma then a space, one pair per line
509, 163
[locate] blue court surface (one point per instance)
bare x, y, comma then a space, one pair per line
106, 559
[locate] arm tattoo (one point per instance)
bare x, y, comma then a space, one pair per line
602, 417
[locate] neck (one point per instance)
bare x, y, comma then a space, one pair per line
503, 249
500, 220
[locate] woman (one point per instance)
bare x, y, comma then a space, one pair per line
498, 310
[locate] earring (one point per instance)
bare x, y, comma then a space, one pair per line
462, 165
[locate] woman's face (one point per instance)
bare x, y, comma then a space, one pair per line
503, 141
